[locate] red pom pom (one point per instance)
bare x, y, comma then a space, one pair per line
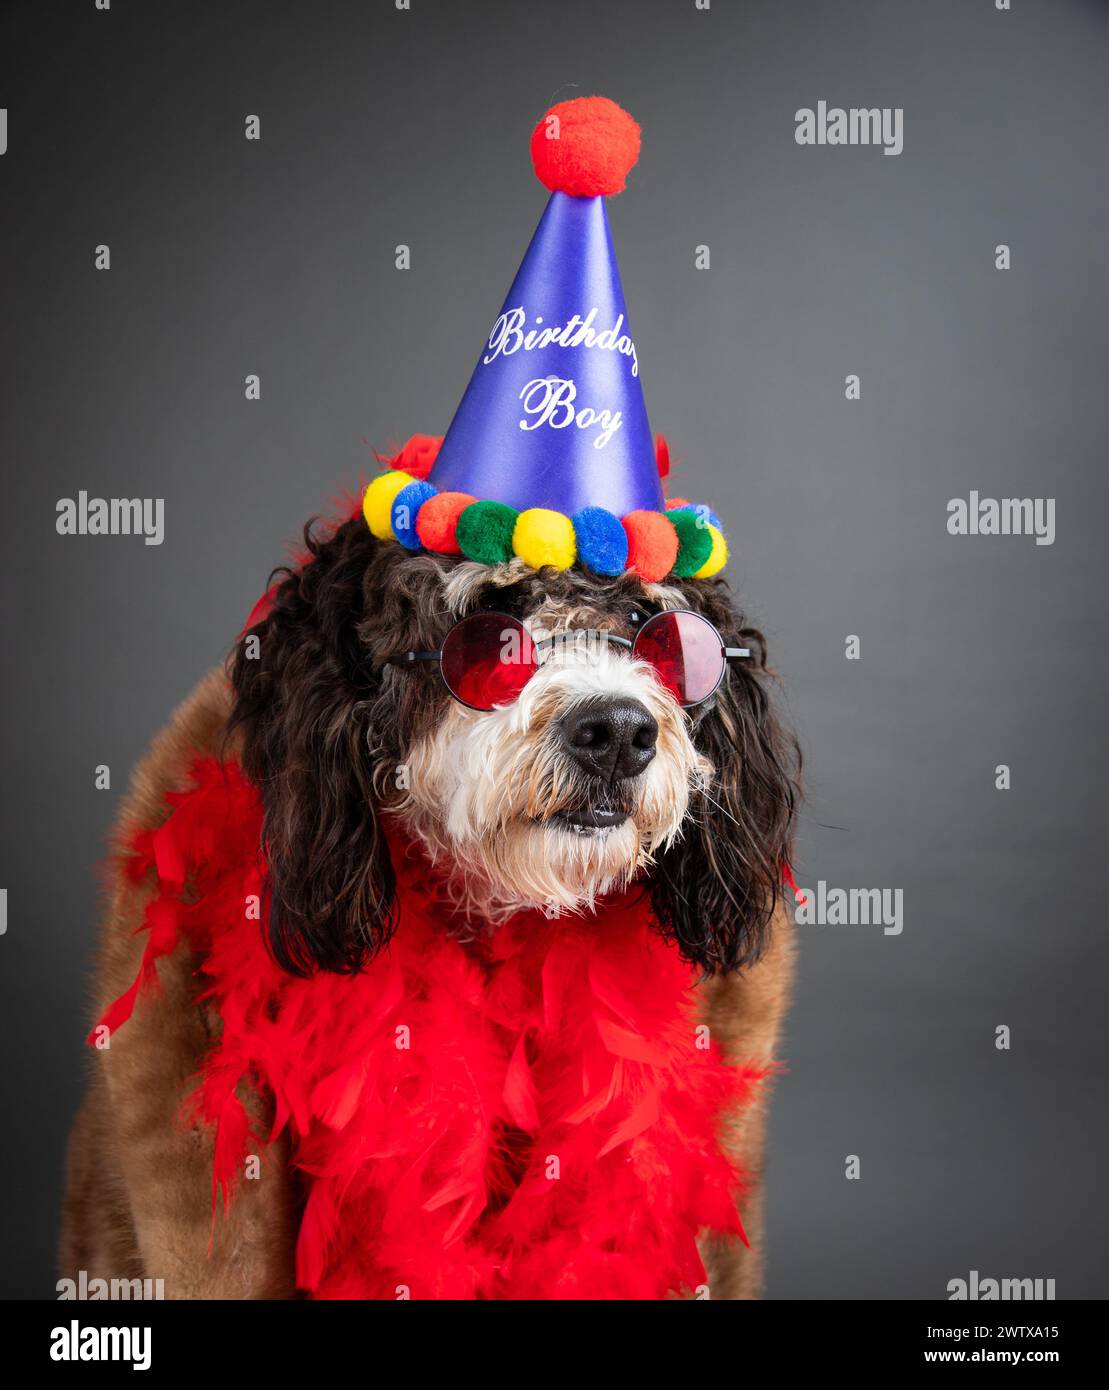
417, 456
673, 503
652, 545
585, 147
437, 521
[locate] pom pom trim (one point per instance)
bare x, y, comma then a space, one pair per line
414, 512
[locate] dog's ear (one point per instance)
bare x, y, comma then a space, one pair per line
714, 891
299, 696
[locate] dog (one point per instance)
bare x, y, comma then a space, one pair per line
593, 779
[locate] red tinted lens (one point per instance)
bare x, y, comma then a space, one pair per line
487, 660
686, 652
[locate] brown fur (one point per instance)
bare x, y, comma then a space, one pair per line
138, 1190
745, 1014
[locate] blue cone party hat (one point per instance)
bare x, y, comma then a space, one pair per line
549, 457
554, 414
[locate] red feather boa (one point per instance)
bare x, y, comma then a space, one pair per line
534, 1115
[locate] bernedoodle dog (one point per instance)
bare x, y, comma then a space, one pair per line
445, 952
594, 776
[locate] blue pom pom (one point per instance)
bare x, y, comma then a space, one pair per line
602, 541
704, 513
406, 506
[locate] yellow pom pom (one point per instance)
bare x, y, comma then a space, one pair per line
377, 503
718, 555
543, 537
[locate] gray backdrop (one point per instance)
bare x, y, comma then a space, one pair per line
277, 257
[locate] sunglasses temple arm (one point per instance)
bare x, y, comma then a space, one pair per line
410, 658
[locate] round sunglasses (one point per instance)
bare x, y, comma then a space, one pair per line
487, 658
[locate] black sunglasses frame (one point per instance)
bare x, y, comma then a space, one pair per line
729, 654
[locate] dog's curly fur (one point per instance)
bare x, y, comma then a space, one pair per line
338, 740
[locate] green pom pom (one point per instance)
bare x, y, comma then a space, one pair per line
485, 532
694, 541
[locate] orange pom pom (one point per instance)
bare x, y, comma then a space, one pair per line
437, 521
585, 147
652, 545
674, 502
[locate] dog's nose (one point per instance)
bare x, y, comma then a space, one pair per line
610, 737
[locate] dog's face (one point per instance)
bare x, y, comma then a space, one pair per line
592, 776
562, 795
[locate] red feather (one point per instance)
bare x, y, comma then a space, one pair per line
519, 1089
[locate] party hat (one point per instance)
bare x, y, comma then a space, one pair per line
549, 457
